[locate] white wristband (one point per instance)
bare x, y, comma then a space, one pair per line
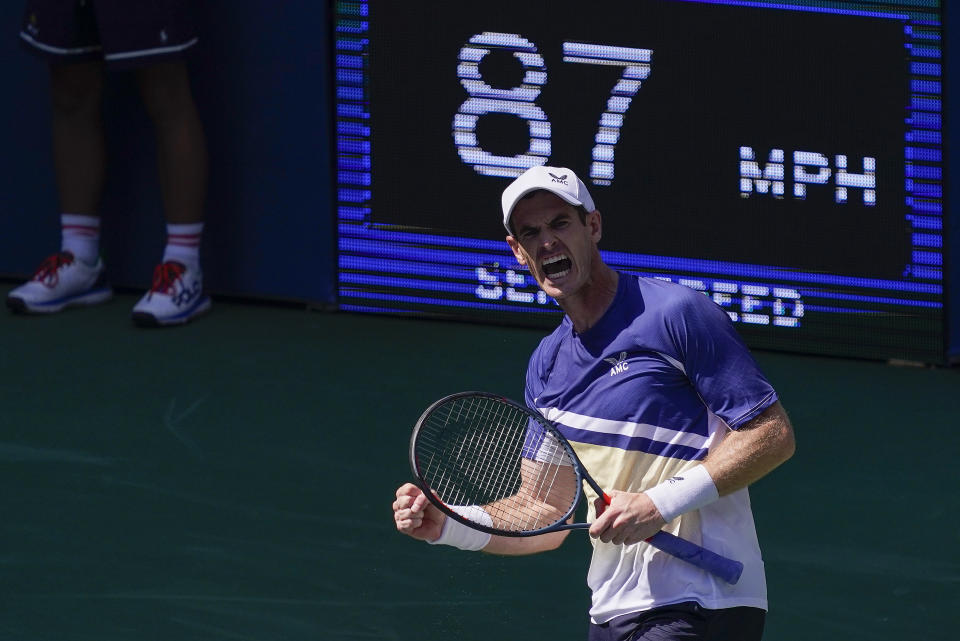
683, 493
461, 536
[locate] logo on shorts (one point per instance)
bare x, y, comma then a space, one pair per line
558, 179
619, 364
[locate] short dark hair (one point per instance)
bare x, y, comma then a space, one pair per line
581, 210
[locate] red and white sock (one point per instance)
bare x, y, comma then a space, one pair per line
80, 235
183, 244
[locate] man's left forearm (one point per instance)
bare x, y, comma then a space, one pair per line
751, 452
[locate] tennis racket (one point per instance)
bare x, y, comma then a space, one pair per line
475, 448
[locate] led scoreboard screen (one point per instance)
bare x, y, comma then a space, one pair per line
783, 158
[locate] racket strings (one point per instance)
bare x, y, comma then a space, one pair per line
484, 452
492, 446
503, 430
526, 514
482, 455
547, 477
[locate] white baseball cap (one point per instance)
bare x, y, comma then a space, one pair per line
558, 180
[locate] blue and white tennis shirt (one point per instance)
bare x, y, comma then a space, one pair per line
642, 396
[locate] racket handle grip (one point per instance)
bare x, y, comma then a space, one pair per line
727, 569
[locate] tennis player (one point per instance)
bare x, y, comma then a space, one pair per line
663, 403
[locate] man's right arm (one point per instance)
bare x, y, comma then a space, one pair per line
418, 518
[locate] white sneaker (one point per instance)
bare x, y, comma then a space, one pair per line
175, 297
59, 282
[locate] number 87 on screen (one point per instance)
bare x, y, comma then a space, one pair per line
521, 101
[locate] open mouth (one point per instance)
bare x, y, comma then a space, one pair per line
557, 266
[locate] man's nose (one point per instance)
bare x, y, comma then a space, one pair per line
548, 238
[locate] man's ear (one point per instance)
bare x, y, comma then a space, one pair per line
517, 251
595, 223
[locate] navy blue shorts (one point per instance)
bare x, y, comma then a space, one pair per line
123, 33
683, 621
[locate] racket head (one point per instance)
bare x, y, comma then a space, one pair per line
476, 448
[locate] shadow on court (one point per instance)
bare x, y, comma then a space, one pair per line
232, 480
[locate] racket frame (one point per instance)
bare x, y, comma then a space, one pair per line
578, 469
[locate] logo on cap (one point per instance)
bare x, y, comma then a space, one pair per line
558, 179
